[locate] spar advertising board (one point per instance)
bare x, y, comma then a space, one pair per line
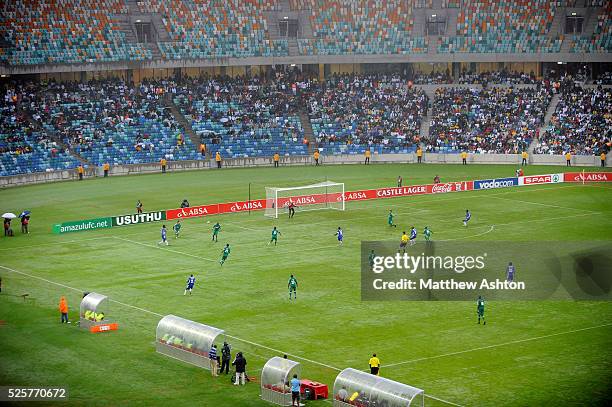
587, 177
541, 179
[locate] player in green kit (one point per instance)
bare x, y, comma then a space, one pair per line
390, 219
371, 259
427, 233
226, 252
177, 229
275, 234
216, 229
292, 285
480, 308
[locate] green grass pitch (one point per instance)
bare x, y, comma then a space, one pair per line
530, 353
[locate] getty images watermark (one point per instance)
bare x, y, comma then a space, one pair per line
452, 271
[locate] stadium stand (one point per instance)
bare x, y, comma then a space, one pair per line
115, 123
65, 31
217, 28
360, 27
601, 40
581, 124
352, 113
490, 120
241, 118
23, 148
508, 26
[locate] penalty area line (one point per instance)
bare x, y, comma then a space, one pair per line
162, 247
535, 338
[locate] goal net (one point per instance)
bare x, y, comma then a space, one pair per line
324, 195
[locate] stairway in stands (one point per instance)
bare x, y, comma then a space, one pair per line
552, 107
307, 126
183, 121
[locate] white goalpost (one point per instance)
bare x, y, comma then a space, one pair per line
324, 195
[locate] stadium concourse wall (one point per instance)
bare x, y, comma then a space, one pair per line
431, 158
311, 199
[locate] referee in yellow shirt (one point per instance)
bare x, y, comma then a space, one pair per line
374, 364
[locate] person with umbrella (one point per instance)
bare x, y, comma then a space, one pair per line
7, 223
25, 221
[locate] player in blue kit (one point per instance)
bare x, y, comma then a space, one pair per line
468, 216
413, 235
190, 284
510, 272
340, 235
164, 236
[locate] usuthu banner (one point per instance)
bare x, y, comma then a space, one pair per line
453, 271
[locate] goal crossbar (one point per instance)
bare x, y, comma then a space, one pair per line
322, 195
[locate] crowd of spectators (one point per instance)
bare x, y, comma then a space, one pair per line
604, 78
498, 77
489, 120
367, 110
111, 121
245, 116
24, 147
581, 124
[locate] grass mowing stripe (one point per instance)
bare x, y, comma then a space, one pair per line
542, 204
498, 345
259, 345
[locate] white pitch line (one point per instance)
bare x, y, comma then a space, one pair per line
497, 345
542, 204
284, 353
491, 228
245, 228
165, 248
77, 290
259, 345
442, 400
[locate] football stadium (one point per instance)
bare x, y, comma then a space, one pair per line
355, 203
